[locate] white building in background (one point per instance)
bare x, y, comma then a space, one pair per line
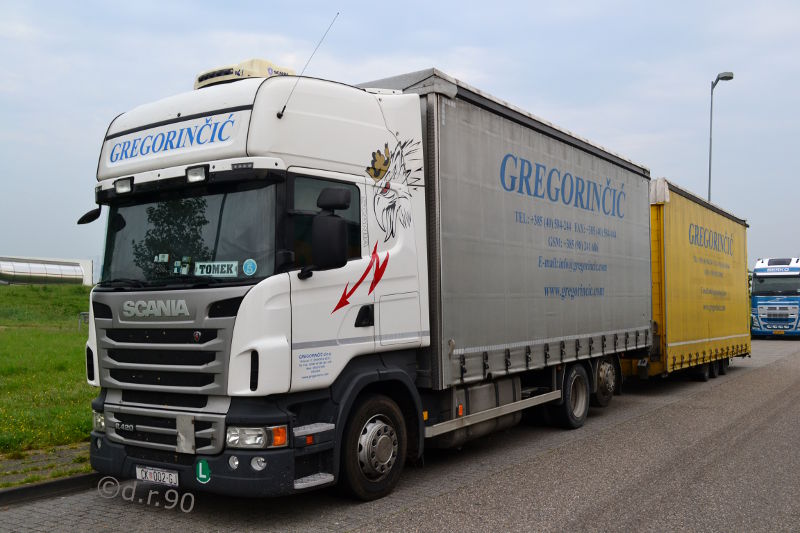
45, 270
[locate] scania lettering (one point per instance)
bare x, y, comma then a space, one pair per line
294, 298
143, 308
775, 300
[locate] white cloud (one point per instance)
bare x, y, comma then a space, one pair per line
20, 31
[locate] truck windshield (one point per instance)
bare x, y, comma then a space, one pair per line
776, 286
206, 235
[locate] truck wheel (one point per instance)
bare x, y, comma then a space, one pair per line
703, 372
374, 448
606, 383
713, 369
723, 366
572, 413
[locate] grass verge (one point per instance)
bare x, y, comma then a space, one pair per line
44, 398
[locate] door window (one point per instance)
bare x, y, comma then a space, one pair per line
304, 207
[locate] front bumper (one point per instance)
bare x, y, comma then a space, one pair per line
276, 479
764, 332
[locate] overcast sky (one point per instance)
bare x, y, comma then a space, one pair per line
633, 77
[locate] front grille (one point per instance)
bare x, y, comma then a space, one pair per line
143, 436
162, 336
149, 454
165, 360
169, 431
167, 379
201, 426
162, 357
779, 315
164, 399
145, 420
164, 379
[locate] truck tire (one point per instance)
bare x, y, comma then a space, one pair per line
703, 372
572, 412
606, 383
713, 369
723, 366
373, 448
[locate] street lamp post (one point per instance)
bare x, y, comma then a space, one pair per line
722, 76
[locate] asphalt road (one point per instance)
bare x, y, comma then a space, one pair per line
669, 455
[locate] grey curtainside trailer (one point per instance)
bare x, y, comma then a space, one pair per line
539, 245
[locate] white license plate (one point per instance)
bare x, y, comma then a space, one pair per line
156, 475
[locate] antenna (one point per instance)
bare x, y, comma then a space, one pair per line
280, 113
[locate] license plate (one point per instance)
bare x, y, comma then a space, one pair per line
157, 475
778, 332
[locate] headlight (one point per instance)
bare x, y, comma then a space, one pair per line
98, 421
246, 437
269, 437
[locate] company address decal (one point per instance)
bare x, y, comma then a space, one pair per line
211, 130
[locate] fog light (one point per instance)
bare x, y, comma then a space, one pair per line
233, 462
246, 437
258, 463
98, 421
123, 185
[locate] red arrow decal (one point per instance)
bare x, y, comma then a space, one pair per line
343, 300
379, 269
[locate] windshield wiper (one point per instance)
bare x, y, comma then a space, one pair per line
121, 282
175, 278
194, 281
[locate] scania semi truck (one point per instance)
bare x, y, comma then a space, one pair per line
775, 297
308, 283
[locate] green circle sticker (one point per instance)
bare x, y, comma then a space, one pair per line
202, 472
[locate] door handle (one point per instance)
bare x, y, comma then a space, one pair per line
365, 317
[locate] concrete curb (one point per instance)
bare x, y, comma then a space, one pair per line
48, 489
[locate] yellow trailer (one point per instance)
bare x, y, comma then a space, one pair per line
701, 314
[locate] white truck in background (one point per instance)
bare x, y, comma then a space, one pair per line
310, 290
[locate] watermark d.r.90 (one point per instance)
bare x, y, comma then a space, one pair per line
109, 487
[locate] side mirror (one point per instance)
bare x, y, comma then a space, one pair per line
90, 216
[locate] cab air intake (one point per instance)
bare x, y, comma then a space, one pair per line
253, 370
89, 364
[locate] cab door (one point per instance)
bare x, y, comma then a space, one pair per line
332, 311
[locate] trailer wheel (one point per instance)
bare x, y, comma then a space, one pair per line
374, 448
606, 383
723, 366
713, 369
572, 412
703, 372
